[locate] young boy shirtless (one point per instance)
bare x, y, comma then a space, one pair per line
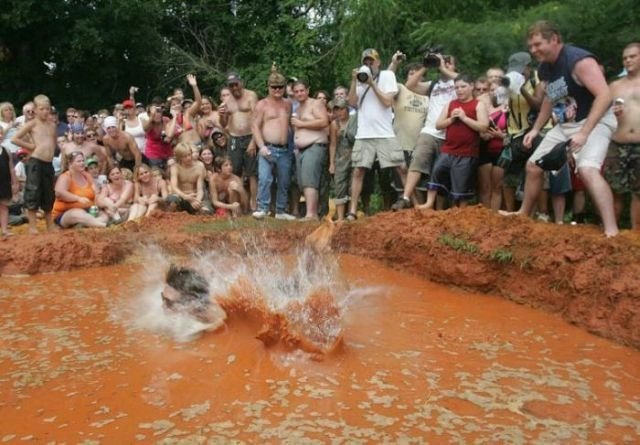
187, 182
38, 136
226, 189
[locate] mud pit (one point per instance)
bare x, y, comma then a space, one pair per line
419, 362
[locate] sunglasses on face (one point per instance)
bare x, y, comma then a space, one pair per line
276, 87
91, 135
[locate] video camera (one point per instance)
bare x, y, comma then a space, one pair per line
432, 57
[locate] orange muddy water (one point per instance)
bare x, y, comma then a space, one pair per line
419, 363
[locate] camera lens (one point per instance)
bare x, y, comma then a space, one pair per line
362, 77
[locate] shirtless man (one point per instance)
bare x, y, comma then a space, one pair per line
236, 115
187, 182
38, 136
121, 145
270, 133
88, 148
622, 165
226, 189
311, 125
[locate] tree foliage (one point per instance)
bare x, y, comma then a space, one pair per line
101, 47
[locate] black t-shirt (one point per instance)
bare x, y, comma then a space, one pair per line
571, 102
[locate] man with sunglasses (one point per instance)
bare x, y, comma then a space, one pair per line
88, 148
236, 116
270, 132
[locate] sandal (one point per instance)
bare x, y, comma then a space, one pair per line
351, 216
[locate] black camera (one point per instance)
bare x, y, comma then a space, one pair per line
505, 81
432, 57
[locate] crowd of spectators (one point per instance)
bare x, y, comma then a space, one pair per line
525, 134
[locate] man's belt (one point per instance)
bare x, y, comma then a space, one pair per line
276, 145
319, 144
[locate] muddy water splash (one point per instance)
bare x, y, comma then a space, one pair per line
296, 300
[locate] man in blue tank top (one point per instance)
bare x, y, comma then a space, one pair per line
577, 95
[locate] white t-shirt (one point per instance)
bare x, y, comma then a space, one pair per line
374, 119
443, 92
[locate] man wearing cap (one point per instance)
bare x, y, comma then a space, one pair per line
440, 92
311, 125
375, 138
236, 116
571, 75
270, 132
120, 145
622, 167
88, 148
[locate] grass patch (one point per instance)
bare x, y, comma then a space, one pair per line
502, 256
245, 223
459, 244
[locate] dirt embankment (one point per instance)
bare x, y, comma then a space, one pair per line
591, 281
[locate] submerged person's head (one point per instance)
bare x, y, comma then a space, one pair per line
186, 290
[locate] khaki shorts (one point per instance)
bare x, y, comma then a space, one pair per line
425, 153
386, 150
594, 151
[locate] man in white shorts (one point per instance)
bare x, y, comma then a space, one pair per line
578, 97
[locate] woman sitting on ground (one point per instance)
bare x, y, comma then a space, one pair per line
226, 190
149, 191
116, 196
75, 195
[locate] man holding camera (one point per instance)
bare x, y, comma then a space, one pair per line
372, 92
440, 93
571, 75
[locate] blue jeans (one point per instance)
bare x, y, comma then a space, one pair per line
280, 161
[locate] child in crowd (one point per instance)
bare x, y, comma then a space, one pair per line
39, 137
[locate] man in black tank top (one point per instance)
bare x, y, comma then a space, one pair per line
578, 98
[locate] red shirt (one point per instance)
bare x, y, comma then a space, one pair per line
462, 140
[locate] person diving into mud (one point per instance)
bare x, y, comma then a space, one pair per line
309, 319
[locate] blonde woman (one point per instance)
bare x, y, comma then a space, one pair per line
149, 191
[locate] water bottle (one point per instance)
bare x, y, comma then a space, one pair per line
93, 211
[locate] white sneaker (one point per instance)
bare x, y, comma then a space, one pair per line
285, 216
259, 214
